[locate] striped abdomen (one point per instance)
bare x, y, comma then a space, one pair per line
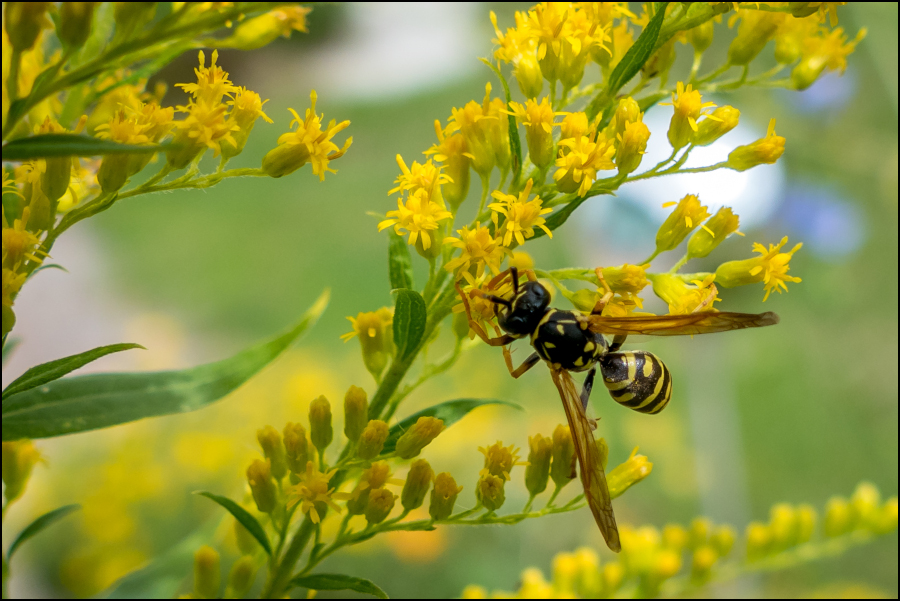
637, 379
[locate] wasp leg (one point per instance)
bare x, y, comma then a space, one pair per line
618, 341
529, 273
586, 388
497, 279
498, 341
527, 364
607, 296
515, 279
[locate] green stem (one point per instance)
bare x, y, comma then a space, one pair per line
12, 81
679, 264
277, 585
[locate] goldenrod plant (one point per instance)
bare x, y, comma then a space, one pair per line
576, 79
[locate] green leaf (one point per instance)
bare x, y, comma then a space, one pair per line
632, 62
97, 401
450, 412
39, 524
53, 370
9, 347
165, 574
515, 143
60, 145
339, 582
409, 322
399, 262
243, 516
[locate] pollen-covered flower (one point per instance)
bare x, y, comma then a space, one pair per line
689, 106
212, 82
688, 214
770, 267
420, 216
308, 144
582, 158
521, 215
765, 150
206, 126
313, 493
538, 121
683, 298
499, 460
246, 108
479, 250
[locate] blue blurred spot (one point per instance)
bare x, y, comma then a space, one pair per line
831, 91
828, 225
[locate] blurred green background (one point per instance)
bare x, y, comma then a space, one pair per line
797, 413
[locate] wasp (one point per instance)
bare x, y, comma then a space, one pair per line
570, 341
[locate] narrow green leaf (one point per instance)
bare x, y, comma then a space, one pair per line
632, 62
515, 143
53, 370
409, 322
165, 574
399, 262
47, 266
39, 524
339, 582
95, 401
60, 145
450, 412
243, 516
557, 218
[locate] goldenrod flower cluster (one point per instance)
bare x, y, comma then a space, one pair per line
669, 561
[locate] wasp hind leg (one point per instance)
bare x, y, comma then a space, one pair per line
587, 387
527, 364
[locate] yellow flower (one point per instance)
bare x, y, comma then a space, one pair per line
246, 108
206, 126
19, 243
426, 177
574, 125
689, 106
309, 144
579, 163
720, 122
375, 338
538, 121
419, 216
212, 82
486, 131
683, 298
688, 214
770, 267
765, 150
632, 146
828, 50
19, 458
479, 249
12, 283
452, 150
521, 215
713, 232
499, 460
312, 490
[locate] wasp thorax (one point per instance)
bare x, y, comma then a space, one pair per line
525, 310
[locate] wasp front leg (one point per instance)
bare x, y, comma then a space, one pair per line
607, 296
495, 341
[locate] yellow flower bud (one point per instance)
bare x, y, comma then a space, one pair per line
240, 578
627, 474
417, 482
499, 460
838, 517
533, 585
371, 441
712, 233
489, 491
246, 543
702, 561
320, 430
538, 470
574, 125
418, 436
565, 572
259, 476
381, 502
612, 576
675, 537
296, 446
687, 215
632, 146
528, 75
264, 29
24, 22
562, 453
756, 29
758, 540
375, 338
19, 458
443, 496
783, 525
538, 121
717, 124
666, 564
766, 150
207, 576
722, 540
270, 441
806, 523
699, 532
75, 20
588, 584
626, 278
701, 37
887, 518
865, 503
473, 591
356, 413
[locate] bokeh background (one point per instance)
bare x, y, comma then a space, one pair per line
796, 413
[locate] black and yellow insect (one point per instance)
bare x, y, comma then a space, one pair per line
572, 341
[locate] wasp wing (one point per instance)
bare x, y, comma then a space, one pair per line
592, 476
708, 322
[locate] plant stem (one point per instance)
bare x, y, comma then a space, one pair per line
277, 585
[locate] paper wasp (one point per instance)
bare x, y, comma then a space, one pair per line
572, 341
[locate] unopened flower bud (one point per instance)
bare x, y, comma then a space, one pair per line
687, 215
675, 537
632, 146
699, 532
626, 278
528, 75
766, 150
722, 540
259, 476
537, 472
417, 482
499, 460
207, 575
75, 20
759, 540
376, 476
587, 577
712, 233
755, 30
372, 439
240, 578
565, 571
783, 525
419, 436
838, 517
717, 124
454, 149
264, 29
806, 523
702, 561
538, 121
443, 496
270, 441
356, 413
666, 564
627, 474
375, 332
563, 453
612, 576
473, 591
701, 37
320, 430
19, 458
489, 491
866, 503
381, 502
296, 446
24, 22
887, 518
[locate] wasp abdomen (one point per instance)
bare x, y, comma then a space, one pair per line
637, 380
